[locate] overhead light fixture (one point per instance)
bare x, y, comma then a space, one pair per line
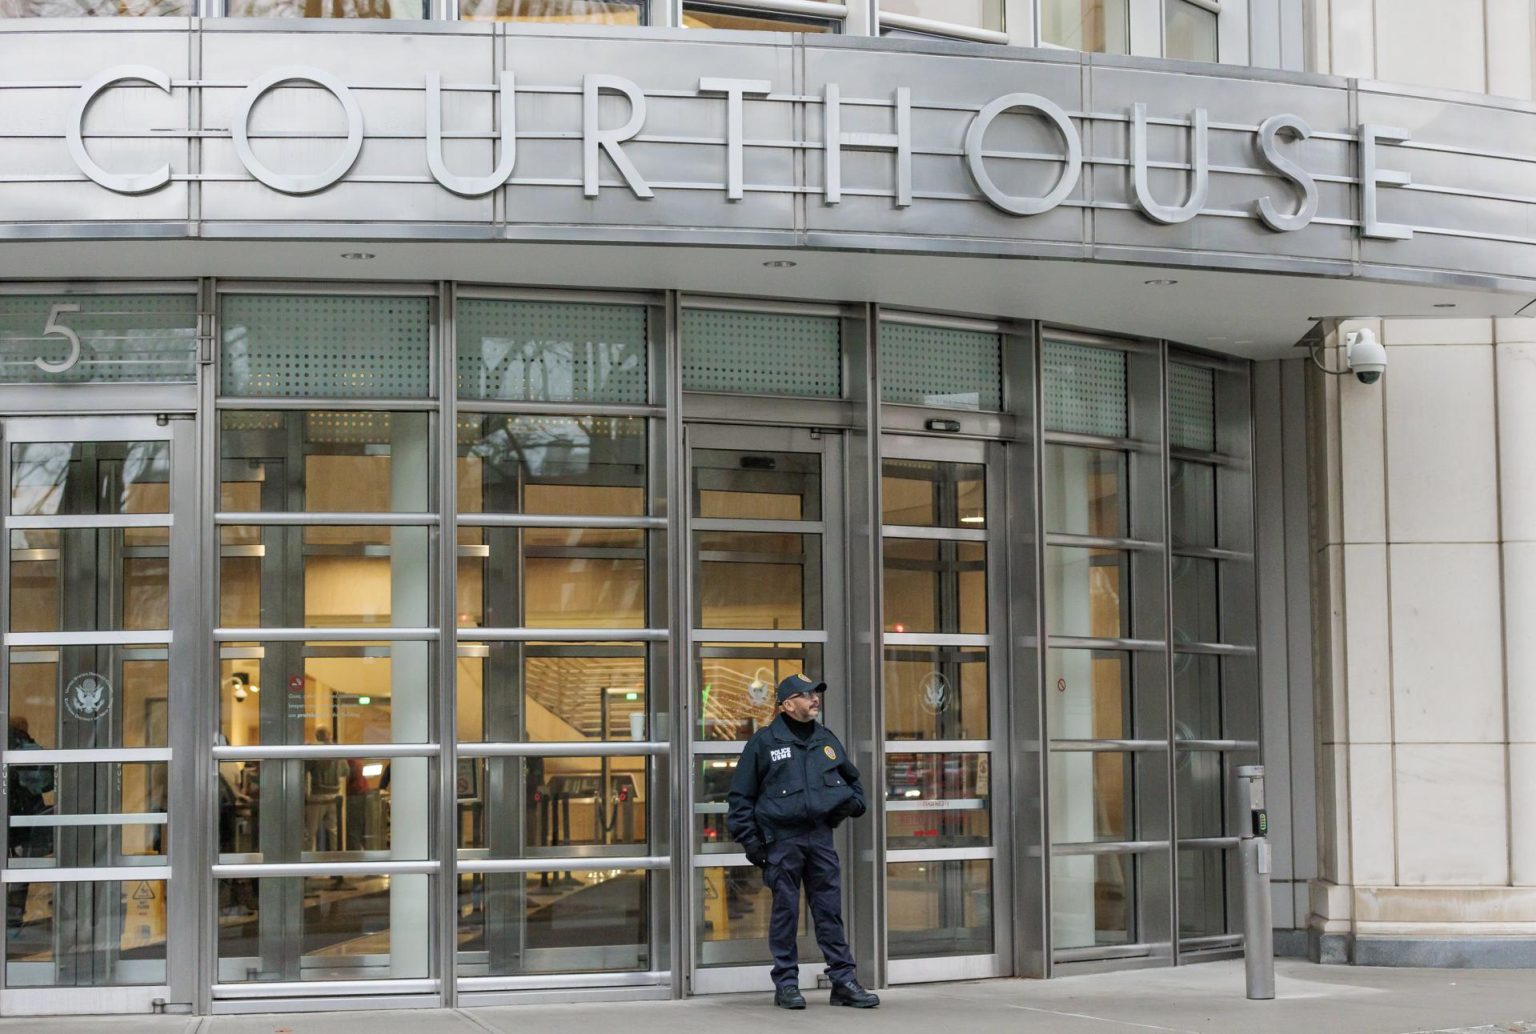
358, 256
780, 264
974, 519
1159, 283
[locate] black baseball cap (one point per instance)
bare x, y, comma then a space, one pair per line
794, 685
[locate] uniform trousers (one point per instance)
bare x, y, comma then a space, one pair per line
809, 860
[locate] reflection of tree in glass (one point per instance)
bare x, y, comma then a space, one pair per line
595, 12
94, 8
39, 471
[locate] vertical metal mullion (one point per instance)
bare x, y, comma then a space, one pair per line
1044, 965
1171, 731
860, 543
5, 670
204, 819
446, 729
663, 692
679, 585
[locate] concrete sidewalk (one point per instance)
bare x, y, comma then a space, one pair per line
1201, 999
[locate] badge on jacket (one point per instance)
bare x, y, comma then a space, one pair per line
830, 752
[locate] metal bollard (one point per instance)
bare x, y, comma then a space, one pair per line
1253, 852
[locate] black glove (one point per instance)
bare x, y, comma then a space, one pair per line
757, 853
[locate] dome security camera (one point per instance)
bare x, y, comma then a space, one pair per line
1365, 356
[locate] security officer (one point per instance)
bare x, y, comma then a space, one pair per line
793, 785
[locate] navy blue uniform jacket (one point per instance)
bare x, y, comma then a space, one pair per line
783, 787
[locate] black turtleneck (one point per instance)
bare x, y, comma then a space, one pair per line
802, 730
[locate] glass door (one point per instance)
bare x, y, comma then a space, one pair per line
765, 541
100, 594
946, 801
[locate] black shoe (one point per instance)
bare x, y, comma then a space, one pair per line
849, 993
789, 998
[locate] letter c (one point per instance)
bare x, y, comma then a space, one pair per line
975, 159
122, 183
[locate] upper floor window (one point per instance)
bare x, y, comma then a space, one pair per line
327, 8
1189, 29
557, 12
95, 8
1100, 26
748, 17
974, 14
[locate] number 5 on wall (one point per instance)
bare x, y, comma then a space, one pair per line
56, 329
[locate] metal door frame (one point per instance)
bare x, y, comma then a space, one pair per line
835, 659
186, 785
994, 533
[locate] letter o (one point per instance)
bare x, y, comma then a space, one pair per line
298, 184
973, 154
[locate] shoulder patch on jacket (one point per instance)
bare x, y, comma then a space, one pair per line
830, 752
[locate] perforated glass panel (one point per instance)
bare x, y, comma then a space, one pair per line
551, 351
326, 346
1192, 407
1084, 389
120, 337
762, 353
933, 366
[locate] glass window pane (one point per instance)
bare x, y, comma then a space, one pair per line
980, 14
61, 580
736, 684
551, 465
1200, 798
57, 478
327, 9
347, 933
137, 679
933, 494
123, 337
938, 908
760, 353
1098, 26
1085, 390
346, 692
562, 921
551, 692
1192, 495
732, 908
324, 461
1085, 491
938, 800
1086, 592
1091, 792
41, 794
758, 580
938, 367
1191, 398
1196, 603
564, 12
935, 586
700, 16
1202, 893
321, 576
935, 693
523, 807
776, 486
1093, 900
320, 346
551, 578
1189, 32
325, 809
551, 351
1090, 695
1197, 696
711, 802
112, 930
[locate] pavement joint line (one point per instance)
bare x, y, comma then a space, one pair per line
1100, 1019
474, 1021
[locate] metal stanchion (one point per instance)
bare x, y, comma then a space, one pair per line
1253, 851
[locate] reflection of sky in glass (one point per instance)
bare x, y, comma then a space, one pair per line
543, 451
552, 370
40, 473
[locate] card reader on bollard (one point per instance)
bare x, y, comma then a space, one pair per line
1254, 854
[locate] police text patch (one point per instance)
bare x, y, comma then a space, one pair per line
780, 754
